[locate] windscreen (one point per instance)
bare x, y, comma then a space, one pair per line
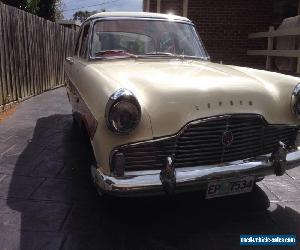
146, 37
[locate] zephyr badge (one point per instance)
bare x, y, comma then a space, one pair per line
227, 138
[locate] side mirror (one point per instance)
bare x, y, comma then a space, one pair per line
70, 60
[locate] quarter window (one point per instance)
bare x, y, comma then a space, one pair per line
77, 44
84, 42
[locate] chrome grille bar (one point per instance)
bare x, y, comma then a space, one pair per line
200, 143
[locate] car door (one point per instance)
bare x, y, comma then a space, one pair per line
70, 77
74, 67
81, 57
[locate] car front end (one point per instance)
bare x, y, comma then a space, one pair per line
165, 119
201, 136
231, 148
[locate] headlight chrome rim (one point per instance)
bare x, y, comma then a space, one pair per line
122, 96
295, 103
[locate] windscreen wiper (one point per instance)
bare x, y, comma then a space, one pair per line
176, 56
160, 54
114, 53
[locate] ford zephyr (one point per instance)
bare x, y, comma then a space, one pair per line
162, 118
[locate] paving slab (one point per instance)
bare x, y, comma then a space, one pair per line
28, 215
294, 173
14, 240
284, 189
19, 186
48, 168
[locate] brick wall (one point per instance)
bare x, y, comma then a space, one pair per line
153, 6
224, 26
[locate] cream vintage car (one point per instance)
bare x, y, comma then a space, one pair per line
162, 118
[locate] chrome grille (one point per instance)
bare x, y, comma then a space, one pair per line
200, 143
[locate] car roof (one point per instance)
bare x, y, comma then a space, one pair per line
139, 15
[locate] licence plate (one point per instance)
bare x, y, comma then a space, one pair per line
230, 187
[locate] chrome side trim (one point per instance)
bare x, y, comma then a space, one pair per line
140, 18
143, 182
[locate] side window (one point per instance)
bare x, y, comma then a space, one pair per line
84, 42
78, 38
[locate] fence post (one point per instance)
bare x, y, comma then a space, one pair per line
158, 6
147, 3
298, 66
185, 8
270, 47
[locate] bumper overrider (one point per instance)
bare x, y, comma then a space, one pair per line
171, 180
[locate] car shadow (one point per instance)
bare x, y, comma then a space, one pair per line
59, 209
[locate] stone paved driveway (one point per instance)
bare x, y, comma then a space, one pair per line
47, 201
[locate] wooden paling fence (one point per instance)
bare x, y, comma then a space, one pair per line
270, 53
32, 52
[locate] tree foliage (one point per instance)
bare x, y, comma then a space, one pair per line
47, 9
82, 15
21, 4
33, 6
59, 10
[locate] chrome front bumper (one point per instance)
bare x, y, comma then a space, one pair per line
142, 183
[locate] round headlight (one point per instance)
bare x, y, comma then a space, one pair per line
296, 101
123, 112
